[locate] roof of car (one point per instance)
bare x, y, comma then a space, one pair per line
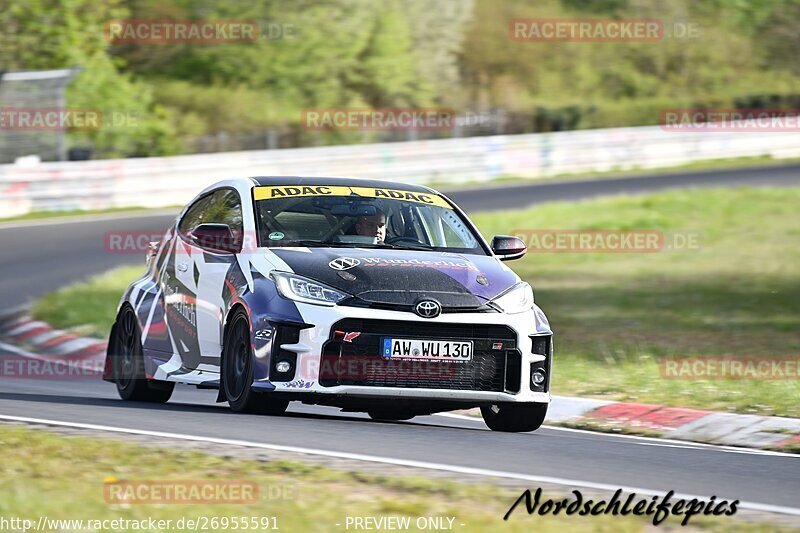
347, 182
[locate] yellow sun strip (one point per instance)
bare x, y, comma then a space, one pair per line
292, 191
270, 193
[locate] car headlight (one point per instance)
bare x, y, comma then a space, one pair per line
306, 290
517, 299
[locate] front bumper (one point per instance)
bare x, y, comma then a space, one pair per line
326, 363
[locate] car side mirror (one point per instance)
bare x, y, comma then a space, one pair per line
217, 237
507, 248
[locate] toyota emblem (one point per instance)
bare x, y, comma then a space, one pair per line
344, 263
428, 309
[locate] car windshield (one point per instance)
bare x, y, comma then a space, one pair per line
363, 217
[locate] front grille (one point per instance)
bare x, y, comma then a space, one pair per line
359, 361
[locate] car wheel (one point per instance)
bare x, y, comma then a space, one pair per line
237, 372
125, 348
390, 415
514, 417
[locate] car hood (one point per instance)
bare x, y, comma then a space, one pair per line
403, 277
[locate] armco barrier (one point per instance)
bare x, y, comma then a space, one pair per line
162, 181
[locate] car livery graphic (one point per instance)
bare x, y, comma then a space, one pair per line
359, 294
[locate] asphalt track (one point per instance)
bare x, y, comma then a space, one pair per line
40, 257
572, 458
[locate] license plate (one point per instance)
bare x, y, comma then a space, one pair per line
453, 351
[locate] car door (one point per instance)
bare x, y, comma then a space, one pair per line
179, 287
200, 272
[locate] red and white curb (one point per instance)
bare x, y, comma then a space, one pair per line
730, 429
22, 337
676, 423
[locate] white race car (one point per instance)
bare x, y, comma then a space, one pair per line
365, 295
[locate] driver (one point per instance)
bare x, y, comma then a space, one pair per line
372, 226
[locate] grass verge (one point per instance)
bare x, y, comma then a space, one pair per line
87, 308
617, 314
62, 477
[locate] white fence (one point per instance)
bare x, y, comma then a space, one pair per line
163, 181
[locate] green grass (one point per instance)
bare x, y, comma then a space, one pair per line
87, 308
60, 477
615, 315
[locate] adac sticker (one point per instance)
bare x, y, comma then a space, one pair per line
409, 196
271, 193
276, 235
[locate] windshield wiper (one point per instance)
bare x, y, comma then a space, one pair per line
407, 246
381, 244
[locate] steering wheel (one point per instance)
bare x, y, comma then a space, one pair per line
400, 238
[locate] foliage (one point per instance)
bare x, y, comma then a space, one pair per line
399, 53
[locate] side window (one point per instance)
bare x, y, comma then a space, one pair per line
195, 215
456, 233
447, 230
225, 208
219, 207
